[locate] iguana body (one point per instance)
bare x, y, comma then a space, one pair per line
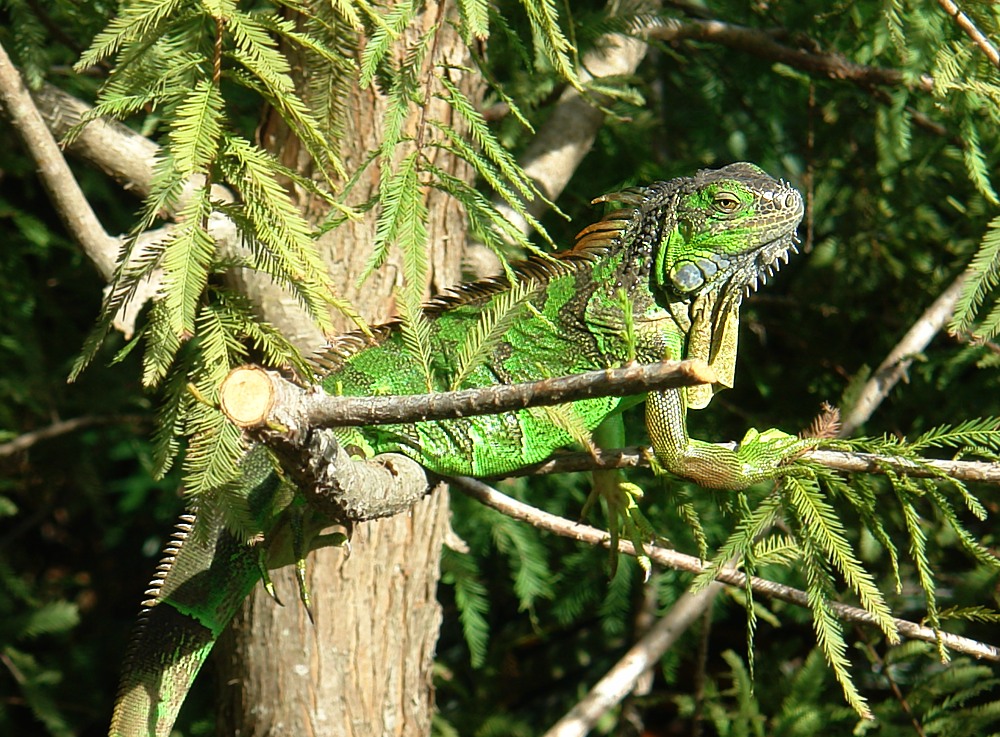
662, 277
678, 261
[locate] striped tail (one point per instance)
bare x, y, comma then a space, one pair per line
198, 588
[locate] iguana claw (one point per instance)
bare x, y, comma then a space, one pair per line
621, 500
265, 576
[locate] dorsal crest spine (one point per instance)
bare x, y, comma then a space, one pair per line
593, 243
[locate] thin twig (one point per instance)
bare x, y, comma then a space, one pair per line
762, 44
679, 561
978, 37
62, 427
897, 692
70, 203
895, 365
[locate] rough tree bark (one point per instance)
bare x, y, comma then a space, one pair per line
365, 667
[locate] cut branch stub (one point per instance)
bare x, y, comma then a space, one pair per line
246, 396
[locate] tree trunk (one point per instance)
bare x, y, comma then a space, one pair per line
365, 667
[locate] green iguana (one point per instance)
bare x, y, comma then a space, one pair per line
660, 277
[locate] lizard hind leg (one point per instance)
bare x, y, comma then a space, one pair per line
621, 501
624, 518
300, 549
303, 543
299, 552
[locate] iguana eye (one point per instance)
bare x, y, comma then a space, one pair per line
726, 202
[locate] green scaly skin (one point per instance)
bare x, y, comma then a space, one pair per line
199, 586
661, 277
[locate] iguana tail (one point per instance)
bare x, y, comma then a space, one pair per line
199, 586
198, 589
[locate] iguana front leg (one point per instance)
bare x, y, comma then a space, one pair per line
758, 457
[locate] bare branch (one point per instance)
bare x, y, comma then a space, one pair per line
763, 44
27, 440
568, 134
70, 203
253, 397
115, 149
679, 561
643, 655
965, 23
981, 471
636, 457
895, 365
121, 153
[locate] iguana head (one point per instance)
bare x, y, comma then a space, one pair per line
732, 228
700, 244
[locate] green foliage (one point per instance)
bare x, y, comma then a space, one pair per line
76, 509
193, 60
810, 504
178, 55
958, 700
489, 329
462, 572
983, 277
415, 332
24, 620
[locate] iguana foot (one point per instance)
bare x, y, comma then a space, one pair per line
767, 455
760, 456
624, 518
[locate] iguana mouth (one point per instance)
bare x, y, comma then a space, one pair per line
768, 258
768, 261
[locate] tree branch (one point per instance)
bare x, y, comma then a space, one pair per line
848, 462
342, 488
560, 144
118, 151
124, 155
762, 44
253, 397
894, 366
679, 561
618, 682
70, 203
978, 37
129, 158
26, 440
